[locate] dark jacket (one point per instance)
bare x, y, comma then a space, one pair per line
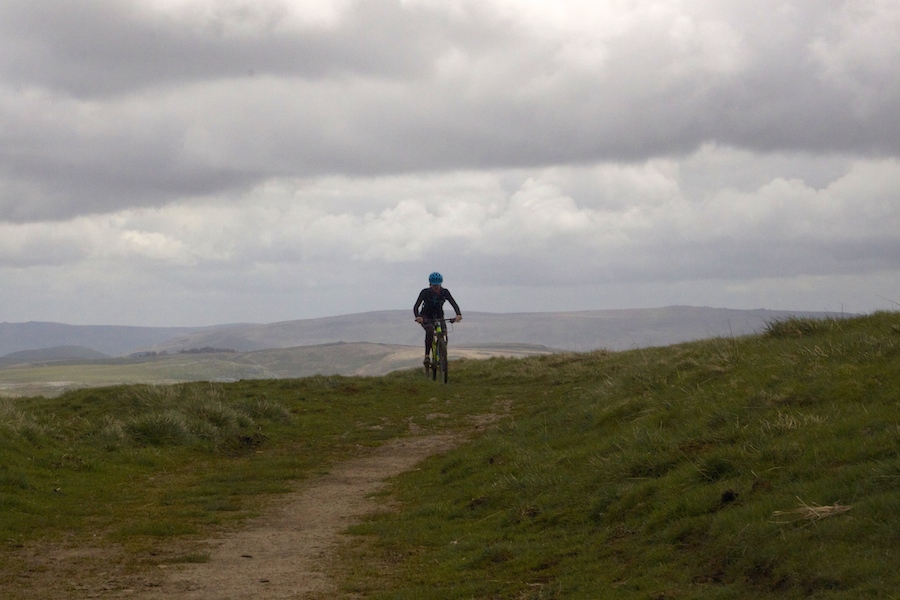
433, 304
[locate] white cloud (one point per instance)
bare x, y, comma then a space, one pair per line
859, 52
600, 214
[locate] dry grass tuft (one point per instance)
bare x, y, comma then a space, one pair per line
805, 512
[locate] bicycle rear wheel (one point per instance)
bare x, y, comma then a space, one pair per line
442, 350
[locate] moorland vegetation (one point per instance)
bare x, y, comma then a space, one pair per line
764, 466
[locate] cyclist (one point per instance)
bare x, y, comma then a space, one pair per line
432, 299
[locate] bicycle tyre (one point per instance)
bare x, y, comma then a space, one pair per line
442, 350
435, 359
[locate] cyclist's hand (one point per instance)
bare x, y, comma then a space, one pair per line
457, 319
418, 319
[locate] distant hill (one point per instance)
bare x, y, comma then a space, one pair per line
363, 344
55, 353
114, 340
576, 331
52, 377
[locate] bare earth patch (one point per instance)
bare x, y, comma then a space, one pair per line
285, 554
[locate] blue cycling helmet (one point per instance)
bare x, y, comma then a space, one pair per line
435, 279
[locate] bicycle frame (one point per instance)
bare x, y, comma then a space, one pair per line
439, 359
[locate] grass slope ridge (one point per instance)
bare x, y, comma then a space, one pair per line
754, 467
759, 467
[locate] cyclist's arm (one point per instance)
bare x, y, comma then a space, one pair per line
453, 304
419, 302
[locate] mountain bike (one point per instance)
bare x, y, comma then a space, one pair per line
439, 360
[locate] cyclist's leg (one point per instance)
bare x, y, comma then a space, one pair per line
429, 335
429, 339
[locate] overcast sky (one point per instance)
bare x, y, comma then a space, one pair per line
195, 162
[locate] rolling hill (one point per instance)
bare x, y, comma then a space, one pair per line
48, 358
114, 340
578, 331
51, 354
44, 375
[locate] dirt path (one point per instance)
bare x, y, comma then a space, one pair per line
285, 553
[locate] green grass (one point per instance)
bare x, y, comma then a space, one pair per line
684, 472
756, 467
139, 466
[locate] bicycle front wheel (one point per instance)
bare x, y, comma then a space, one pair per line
435, 361
442, 349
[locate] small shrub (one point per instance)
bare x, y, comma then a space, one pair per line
111, 434
267, 410
798, 327
152, 396
203, 430
18, 422
219, 415
159, 429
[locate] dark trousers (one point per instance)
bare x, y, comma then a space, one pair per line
428, 326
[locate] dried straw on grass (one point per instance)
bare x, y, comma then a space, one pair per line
810, 513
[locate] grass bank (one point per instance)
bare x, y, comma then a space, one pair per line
147, 470
755, 467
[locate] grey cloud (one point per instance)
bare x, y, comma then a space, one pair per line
108, 107
537, 109
87, 179
97, 48
629, 142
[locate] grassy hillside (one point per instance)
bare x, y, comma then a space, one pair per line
736, 468
755, 467
46, 377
